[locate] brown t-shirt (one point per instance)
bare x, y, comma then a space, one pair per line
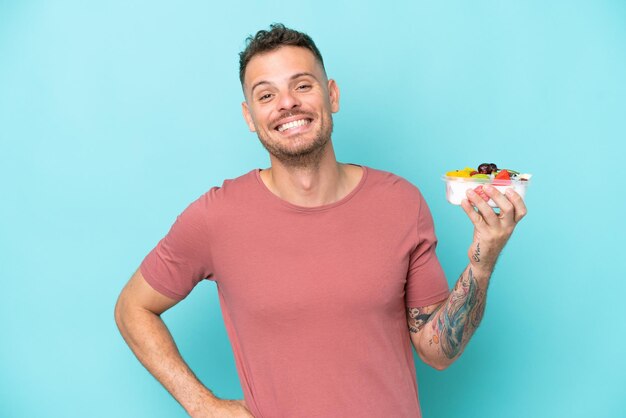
313, 298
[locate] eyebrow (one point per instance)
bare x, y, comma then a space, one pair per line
293, 77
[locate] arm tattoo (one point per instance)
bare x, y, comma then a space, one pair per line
416, 319
460, 316
476, 255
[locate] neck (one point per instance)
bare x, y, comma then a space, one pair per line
318, 183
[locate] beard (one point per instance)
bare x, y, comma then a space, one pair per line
299, 152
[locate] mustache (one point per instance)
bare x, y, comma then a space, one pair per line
290, 114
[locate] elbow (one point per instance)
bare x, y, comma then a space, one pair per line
118, 313
123, 317
435, 361
439, 365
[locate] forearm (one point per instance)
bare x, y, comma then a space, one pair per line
448, 330
440, 333
150, 340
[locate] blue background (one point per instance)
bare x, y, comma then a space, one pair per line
116, 115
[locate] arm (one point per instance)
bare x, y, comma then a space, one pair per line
440, 332
137, 314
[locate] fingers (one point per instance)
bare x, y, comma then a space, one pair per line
471, 213
511, 204
519, 206
484, 210
507, 210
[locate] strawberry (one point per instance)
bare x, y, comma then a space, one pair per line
480, 192
503, 175
502, 178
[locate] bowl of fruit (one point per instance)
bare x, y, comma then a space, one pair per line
459, 181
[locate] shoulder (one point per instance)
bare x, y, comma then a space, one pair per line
218, 200
392, 198
392, 186
231, 191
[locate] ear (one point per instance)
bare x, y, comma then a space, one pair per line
333, 92
247, 116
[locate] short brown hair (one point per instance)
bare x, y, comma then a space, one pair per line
269, 40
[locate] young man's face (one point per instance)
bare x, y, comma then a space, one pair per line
289, 102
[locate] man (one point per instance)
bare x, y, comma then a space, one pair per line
320, 265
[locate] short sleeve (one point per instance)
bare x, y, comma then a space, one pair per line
182, 258
426, 281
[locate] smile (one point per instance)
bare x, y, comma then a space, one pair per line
292, 124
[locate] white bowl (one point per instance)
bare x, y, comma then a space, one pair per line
457, 186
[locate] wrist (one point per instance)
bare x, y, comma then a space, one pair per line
481, 270
202, 404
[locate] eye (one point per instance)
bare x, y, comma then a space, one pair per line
304, 87
265, 97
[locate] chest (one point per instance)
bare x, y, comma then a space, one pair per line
313, 266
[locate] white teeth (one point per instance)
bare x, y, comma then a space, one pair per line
293, 124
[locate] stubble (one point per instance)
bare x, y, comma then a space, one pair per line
294, 152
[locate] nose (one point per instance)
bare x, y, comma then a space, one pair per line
288, 101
